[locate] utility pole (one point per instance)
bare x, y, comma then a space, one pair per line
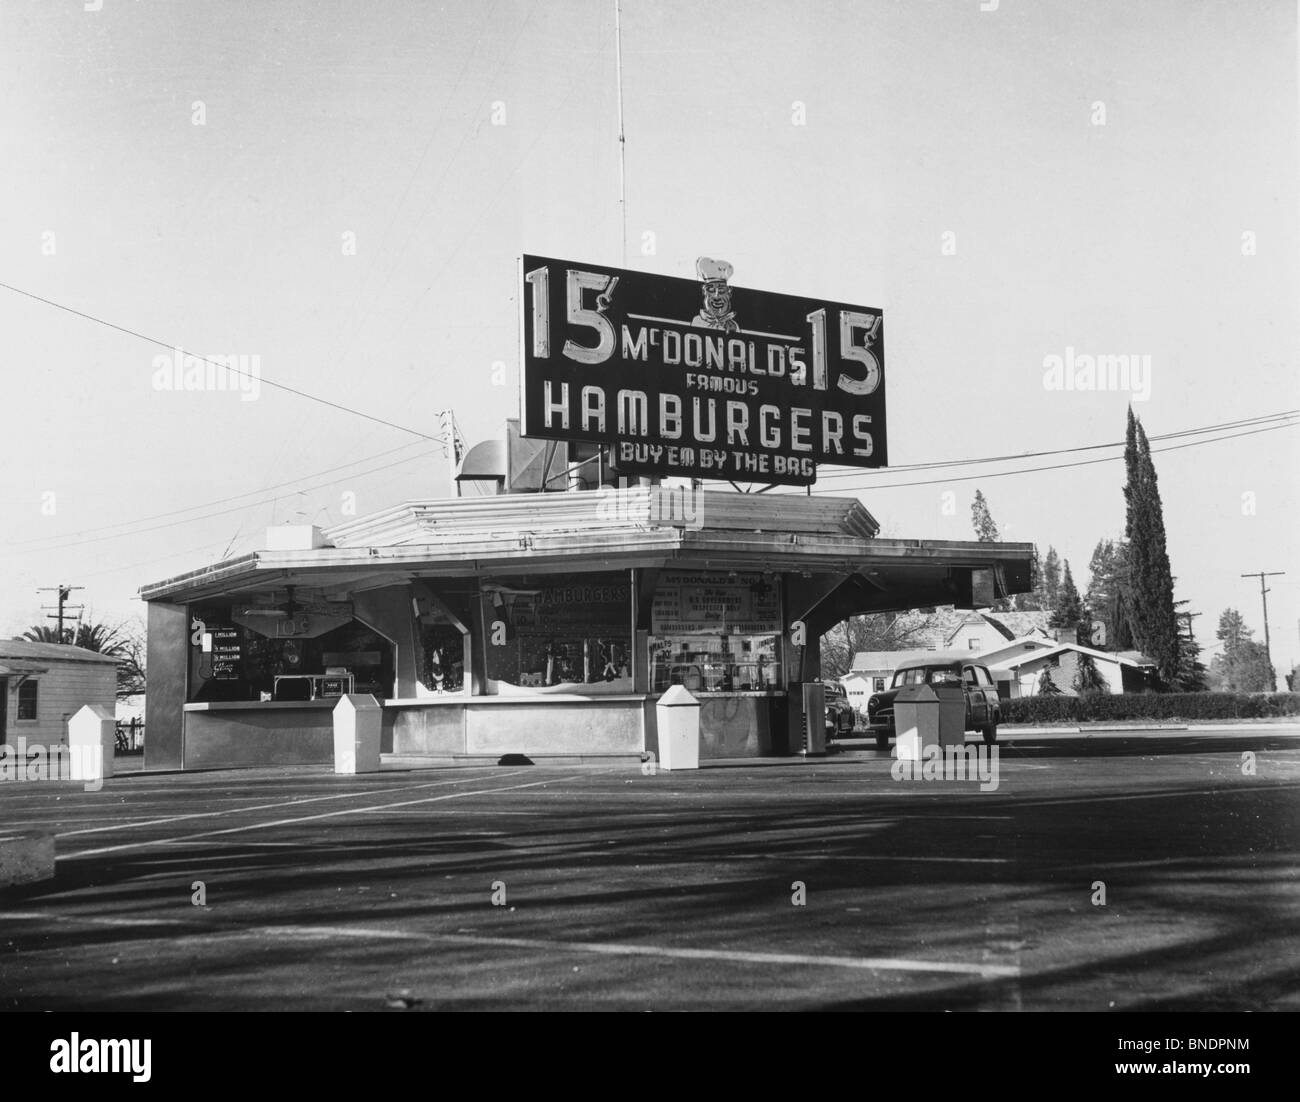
64, 592
453, 447
1263, 596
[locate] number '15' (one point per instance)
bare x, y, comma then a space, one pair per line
577, 284
851, 323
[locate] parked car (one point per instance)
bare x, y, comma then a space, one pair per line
983, 708
841, 719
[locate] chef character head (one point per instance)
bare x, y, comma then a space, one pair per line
716, 311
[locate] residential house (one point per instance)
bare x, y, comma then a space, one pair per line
1015, 646
42, 685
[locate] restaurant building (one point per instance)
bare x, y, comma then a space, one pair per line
543, 624
535, 622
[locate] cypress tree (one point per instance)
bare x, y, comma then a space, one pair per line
1151, 582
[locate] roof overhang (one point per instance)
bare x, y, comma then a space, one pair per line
561, 533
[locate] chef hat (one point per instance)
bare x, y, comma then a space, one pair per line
710, 270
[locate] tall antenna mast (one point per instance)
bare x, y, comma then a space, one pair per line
622, 137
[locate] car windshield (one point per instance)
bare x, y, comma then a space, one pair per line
934, 675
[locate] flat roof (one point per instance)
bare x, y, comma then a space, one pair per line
648, 527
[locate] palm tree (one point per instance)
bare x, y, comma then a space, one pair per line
114, 640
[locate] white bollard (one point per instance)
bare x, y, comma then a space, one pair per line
677, 716
358, 722
92, 740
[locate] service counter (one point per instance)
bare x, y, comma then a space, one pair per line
250, 733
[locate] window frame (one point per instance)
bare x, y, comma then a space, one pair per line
35, 717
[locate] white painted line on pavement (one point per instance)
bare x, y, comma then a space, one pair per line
624, 949
280, 803
310, 818
1221, 790
863, 857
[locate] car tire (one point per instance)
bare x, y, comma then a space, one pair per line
990, 734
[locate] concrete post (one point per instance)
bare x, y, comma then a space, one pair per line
357, 726
92, 740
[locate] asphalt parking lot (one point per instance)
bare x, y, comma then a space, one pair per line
1135, 872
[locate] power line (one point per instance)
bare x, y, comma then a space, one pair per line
234, 509
1264, 418
206, 504
226, 367
1055, 466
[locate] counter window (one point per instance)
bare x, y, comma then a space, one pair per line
725, 664
569, 633
716, 632
253, 651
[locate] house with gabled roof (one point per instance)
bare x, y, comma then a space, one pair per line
42, 685
1015, 646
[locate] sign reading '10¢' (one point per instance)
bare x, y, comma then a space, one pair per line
700, 379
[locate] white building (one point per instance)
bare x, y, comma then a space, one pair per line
42, 685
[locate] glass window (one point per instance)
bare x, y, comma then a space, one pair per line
559, 632
716, 632
878, 685
254, 650
27, 699
717, 664
441, 646
442, 655
944, 677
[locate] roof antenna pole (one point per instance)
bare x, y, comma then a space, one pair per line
622, 137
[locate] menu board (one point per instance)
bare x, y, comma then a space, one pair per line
716, 604
583, 604
227, 650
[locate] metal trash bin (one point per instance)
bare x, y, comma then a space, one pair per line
814, 719
926, 716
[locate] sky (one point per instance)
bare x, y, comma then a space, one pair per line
343, 191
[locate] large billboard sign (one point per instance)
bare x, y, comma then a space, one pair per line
700, 379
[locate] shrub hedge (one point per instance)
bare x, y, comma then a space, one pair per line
1115, 706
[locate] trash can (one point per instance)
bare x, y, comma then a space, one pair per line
916, 721
814, 719
358, 721
952, 714
677, 715
928, 715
